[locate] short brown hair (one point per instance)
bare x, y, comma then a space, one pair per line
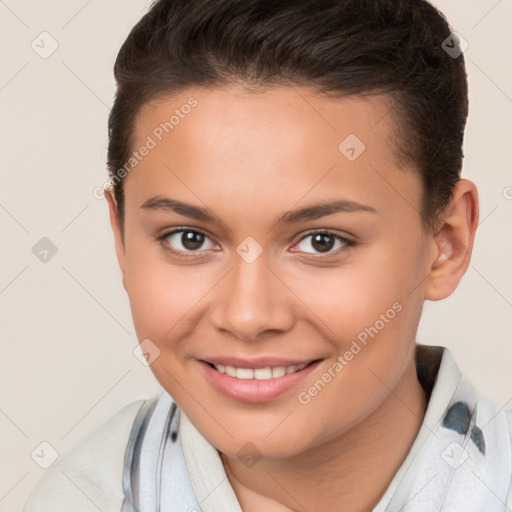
336, 46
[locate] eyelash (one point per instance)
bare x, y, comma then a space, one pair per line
347, 244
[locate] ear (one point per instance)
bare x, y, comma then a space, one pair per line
117, 231
453, 241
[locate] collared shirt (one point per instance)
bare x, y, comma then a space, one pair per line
90, 477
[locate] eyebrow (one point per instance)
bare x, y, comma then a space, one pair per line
159, 203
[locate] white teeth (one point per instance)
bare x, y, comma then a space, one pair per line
263, 373
258, 373
278, 371
244, 373
230, 370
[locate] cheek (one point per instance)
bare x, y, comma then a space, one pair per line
346, 300
368, 313
162, 295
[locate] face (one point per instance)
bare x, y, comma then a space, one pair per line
264, 232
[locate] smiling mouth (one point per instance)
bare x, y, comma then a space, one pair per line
265, 373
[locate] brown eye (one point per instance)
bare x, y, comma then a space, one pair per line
323, 242
192, 240
186, 241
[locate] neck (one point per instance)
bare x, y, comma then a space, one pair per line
362, 462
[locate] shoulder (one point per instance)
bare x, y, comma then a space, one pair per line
89, 477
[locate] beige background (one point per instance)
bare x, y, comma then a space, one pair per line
65, 327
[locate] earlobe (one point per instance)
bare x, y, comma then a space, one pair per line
117, 232
453, 242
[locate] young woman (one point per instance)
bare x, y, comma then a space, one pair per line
286, 194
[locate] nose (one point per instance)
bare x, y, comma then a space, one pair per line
252, 301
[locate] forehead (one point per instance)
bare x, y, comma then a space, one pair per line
294, 114
218, 143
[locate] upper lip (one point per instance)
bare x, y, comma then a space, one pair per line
262, 362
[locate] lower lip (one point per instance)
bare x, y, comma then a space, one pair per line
254, 390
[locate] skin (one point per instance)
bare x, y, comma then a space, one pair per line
249, 158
